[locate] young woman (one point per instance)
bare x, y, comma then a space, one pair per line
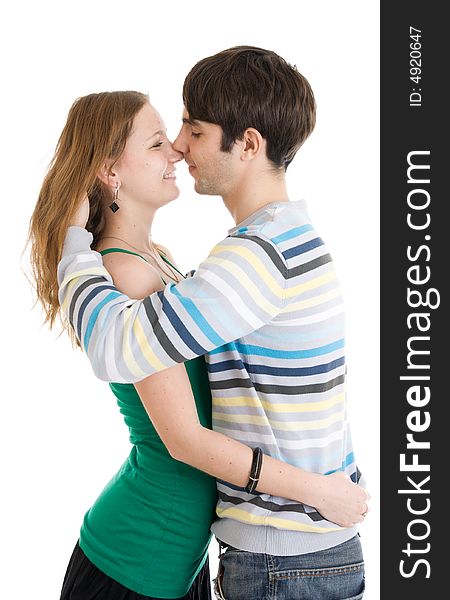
147, 534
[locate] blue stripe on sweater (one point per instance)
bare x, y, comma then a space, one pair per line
277, 371
92, 294
93, 318
179, 327
198, 318
292, 233
311, 463
348, 460
249, 349
302, 248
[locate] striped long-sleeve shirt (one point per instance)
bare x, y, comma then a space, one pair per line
266, 309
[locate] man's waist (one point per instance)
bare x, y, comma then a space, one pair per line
265, 539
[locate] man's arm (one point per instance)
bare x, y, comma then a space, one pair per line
239, 288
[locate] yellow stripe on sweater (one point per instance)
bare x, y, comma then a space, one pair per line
127, 354
262, 271
244, 517
280, 425
245, 281
317, 300
253, 260
72, 279
68, 294
252, 402
144, 347
311, 285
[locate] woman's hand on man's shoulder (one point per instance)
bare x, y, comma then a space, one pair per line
81, 215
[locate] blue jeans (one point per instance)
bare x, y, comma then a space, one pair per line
333, 574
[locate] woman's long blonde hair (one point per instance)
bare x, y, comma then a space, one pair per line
96, 130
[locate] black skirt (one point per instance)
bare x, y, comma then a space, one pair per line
83, 581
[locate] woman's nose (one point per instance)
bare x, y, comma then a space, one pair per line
175, 155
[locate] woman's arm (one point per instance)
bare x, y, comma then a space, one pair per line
168, 400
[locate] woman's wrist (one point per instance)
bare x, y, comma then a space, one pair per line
311, 488
81, 214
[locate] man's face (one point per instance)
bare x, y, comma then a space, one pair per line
214, 171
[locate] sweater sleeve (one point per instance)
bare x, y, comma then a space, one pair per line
236, 290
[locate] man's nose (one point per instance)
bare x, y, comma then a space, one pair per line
180, 144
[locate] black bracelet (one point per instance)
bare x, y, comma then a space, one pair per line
255, 471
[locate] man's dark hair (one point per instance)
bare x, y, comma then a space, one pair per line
245, 87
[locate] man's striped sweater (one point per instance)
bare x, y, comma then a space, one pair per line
266, 309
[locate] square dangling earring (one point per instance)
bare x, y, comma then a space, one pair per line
114, 206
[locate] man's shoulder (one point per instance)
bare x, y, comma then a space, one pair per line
278, 224
277, 235
254, 240
281, 231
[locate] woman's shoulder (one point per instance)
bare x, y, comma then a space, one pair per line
132, 275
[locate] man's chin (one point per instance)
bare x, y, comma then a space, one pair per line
200, 188
204, 188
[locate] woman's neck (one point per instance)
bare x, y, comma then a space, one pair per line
129, 236
131, 229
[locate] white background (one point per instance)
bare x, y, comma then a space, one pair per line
61, 433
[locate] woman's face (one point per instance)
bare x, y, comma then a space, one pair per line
146, 168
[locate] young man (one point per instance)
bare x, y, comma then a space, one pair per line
266, 310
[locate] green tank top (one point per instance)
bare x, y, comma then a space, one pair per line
150, 527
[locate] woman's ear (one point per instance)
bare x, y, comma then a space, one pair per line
107, 175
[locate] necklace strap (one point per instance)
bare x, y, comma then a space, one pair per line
113, 237
110, 250
173, 266
152, 255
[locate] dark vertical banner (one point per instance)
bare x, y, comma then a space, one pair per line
415, 236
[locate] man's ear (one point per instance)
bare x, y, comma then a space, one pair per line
108, 175
253, 144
